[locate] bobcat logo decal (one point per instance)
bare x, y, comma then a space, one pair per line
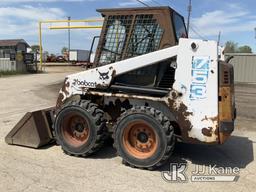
104, 76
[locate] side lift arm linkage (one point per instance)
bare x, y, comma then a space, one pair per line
102, 76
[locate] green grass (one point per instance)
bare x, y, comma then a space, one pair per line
9, 73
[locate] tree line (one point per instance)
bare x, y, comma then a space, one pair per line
233, 47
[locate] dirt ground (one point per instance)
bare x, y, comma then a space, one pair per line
49, 169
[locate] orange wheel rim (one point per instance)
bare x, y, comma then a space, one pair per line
140, 140
75, 129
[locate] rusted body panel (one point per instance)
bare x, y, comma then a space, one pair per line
225, 105
227, 108
196, 77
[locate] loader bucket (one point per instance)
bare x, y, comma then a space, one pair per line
33, 130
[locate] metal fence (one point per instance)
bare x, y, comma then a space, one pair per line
244, 67
7, 65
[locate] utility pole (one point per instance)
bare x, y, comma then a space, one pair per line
255, 32
69, 18
219, 37
189, 14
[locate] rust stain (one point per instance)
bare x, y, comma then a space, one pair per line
114, 109
216, 132
65, 86
64, 90
174, 95
207, 132
182, 116
59, 100
225, 105
213, 119
113, 73
181, 112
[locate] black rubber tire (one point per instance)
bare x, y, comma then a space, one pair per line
96, 124
163, 129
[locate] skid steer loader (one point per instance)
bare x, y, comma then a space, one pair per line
149, 87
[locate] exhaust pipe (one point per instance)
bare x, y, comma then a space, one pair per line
34, 130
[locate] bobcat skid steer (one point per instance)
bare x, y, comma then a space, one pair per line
149, 87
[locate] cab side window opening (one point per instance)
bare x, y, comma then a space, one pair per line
141, 36
179, 26
115, 38
146, 36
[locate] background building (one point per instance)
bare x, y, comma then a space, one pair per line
244, 67
13, 55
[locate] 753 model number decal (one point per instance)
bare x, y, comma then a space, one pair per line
200, 73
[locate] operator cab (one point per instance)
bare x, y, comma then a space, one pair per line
131, 32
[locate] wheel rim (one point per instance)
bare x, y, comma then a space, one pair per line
140, 140
75, 129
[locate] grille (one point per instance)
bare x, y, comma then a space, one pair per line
146, 36
168, 79
128, 36
226, 77
115, 36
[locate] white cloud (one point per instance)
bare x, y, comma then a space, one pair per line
30, 13
232, 19
133, 3
39, 1
24, 20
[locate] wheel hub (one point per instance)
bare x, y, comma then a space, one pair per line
79, 127
76, 130
140, 139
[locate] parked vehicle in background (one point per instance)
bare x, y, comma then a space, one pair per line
78, 56
61, 59
51, 58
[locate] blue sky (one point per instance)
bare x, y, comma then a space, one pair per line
19, 19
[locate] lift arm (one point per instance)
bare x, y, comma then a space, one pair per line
102, 76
